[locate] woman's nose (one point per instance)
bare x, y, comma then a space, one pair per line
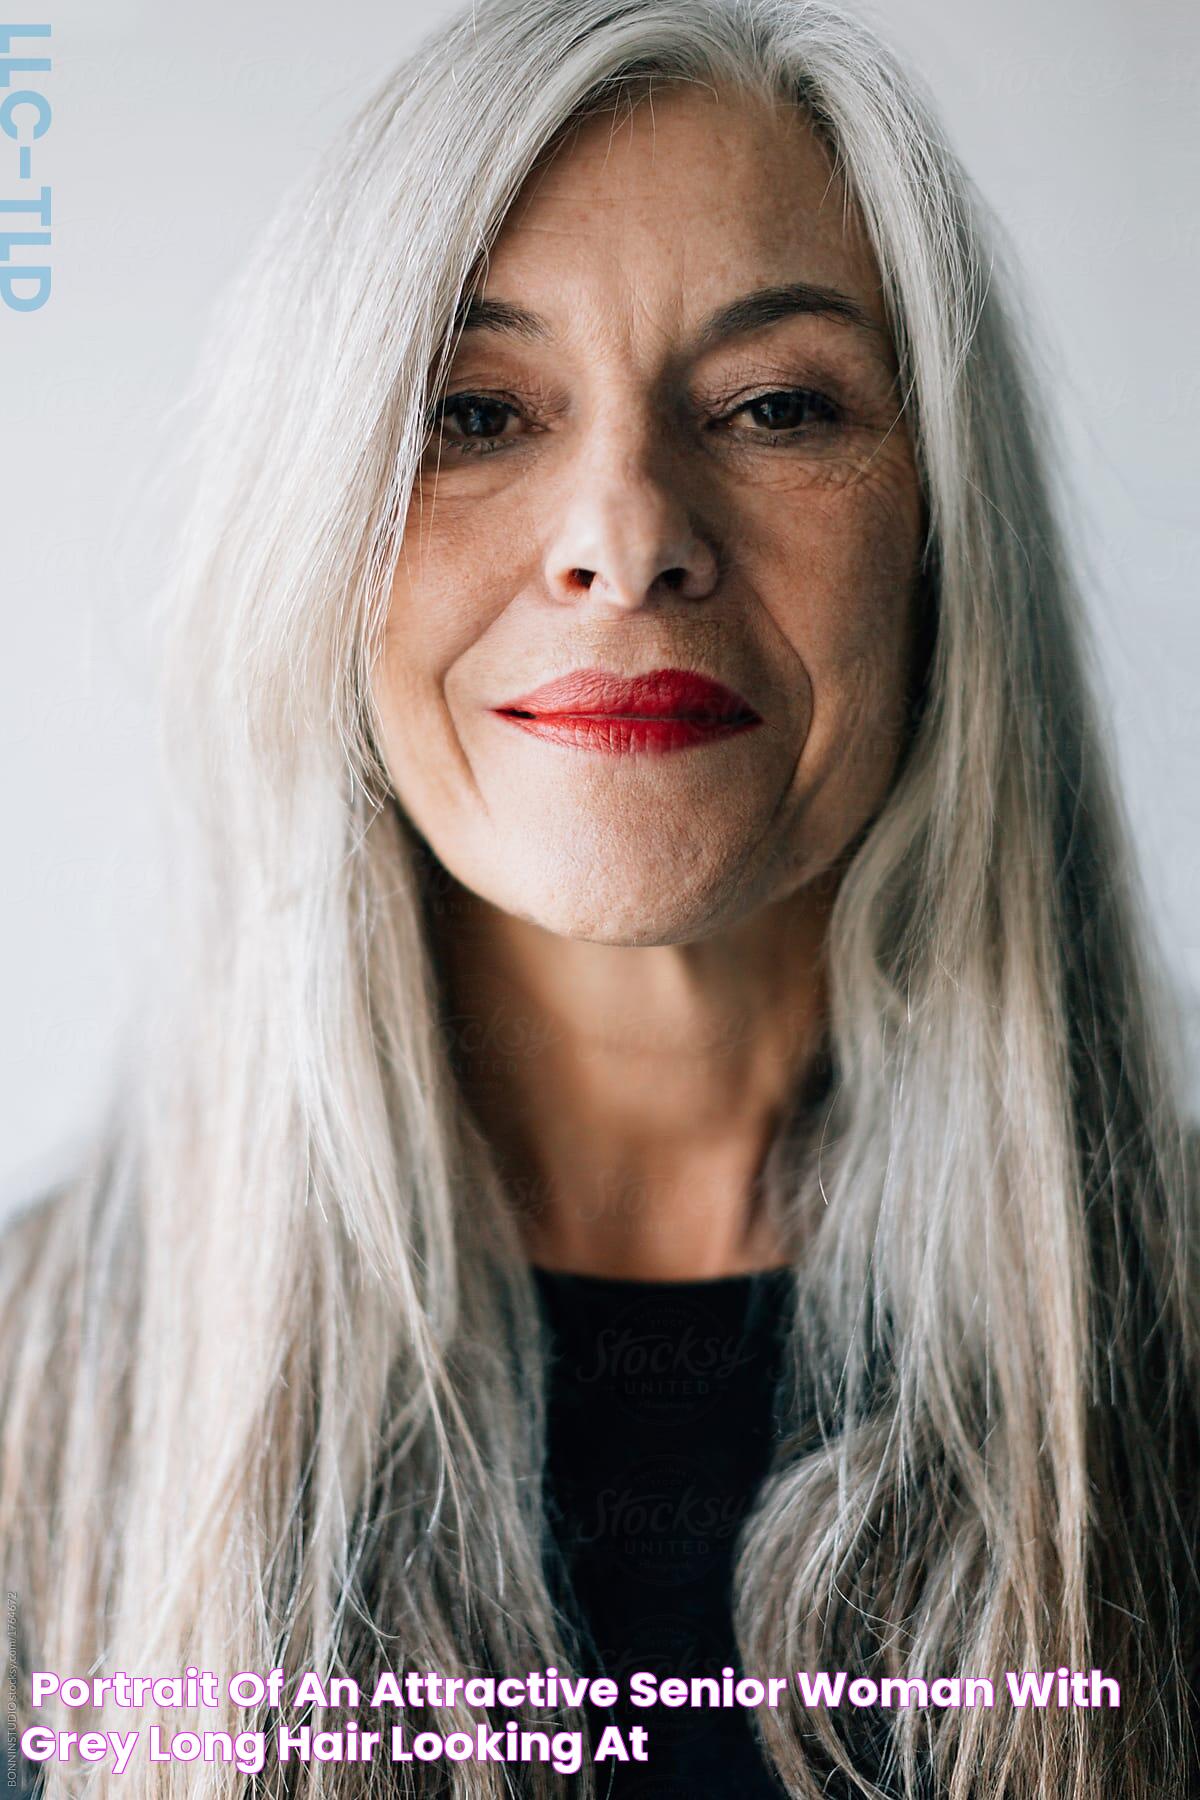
625, 538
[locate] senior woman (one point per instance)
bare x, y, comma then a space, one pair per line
658, 1150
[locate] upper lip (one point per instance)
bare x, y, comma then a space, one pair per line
658, 694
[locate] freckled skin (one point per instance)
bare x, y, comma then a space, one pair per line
624, 454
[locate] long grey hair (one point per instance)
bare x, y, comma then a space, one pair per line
270, 1368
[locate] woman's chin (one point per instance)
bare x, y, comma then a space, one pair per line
658, 900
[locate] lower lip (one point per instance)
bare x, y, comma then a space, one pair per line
620, 734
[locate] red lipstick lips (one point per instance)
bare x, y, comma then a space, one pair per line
666, 709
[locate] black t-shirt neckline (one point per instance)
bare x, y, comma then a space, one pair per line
648, 1284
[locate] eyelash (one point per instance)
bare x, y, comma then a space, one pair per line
481, 446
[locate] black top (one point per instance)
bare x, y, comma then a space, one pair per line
659, 1434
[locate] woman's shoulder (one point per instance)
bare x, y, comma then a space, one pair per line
27, 1221
30, 1232
43, 1245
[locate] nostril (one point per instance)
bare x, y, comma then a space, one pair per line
584, 577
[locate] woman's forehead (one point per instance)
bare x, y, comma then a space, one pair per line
688, 199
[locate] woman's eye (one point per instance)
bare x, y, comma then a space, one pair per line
479, 418
789, 412
476, 424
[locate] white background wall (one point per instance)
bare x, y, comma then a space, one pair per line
175, 130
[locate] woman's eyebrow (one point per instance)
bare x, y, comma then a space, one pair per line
765, 306
502, 316
749, 312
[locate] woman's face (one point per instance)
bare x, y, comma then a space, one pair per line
670, 441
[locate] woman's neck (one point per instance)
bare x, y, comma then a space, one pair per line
631, 1094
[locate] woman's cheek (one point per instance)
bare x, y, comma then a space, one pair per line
849, 615
873, 532
841, 578
447, 591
